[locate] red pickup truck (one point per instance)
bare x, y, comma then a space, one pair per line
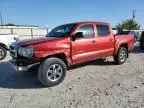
67, 45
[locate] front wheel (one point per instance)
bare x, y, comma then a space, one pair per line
121, 56
3, 53
52, 72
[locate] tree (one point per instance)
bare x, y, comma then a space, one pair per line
129, 24
10, 24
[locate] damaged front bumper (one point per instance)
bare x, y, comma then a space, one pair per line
21, 67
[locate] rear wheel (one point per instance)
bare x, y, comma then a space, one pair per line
3, 53
121, 56
52, 72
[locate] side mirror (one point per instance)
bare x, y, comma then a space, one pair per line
77, 35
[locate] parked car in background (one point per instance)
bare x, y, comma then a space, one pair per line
67, 45
5, 41
142, 40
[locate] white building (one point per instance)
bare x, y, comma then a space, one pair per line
24, 31
18, 26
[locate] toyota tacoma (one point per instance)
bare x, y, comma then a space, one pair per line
67, 45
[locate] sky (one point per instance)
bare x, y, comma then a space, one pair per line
50, 13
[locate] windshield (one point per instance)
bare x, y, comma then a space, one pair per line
61, 31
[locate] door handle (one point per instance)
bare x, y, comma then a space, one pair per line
93, 41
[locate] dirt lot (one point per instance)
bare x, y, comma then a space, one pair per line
95, 84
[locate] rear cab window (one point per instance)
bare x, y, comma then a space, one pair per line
102, 30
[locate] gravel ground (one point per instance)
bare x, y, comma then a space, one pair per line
94, 84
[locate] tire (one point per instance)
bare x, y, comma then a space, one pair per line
121, 56
142, 45
48, 71
3, 53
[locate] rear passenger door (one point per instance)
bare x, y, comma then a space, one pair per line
104, 40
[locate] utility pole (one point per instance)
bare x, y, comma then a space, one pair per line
1, 19
133, 12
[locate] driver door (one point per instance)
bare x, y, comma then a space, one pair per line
83, 48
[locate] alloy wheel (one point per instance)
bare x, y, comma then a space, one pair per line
123, 55
54, 73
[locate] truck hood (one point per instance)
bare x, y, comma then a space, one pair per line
30, 42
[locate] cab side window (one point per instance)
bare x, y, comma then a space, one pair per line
103, 30
87, 30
